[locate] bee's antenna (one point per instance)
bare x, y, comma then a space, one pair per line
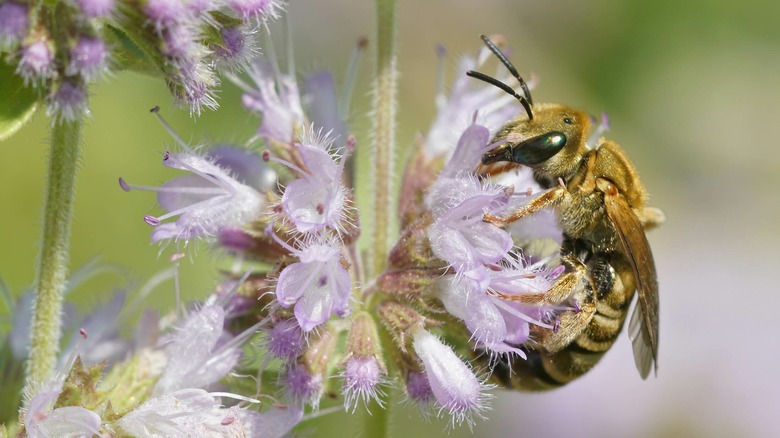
500, 55
505, 87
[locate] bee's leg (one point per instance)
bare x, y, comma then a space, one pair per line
559, 292
545, 199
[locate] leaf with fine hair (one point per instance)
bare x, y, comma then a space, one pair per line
19, 102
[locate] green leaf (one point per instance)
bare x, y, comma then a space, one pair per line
128, 54
18, 102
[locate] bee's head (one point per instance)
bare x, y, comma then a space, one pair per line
551, 141
550, 138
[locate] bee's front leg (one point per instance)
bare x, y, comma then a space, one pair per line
540, 202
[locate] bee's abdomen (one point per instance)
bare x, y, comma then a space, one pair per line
544, 370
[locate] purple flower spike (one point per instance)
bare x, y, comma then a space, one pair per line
36, 62
318, 285
96, 8
456, 389
88, 58
13, 23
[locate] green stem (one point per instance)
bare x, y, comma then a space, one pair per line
377, 423
384, 131
54, 252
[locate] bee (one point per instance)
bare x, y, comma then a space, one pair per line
600, 205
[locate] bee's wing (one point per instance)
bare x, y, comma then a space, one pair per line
643, 327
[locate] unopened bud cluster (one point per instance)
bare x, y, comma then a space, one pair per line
59, 48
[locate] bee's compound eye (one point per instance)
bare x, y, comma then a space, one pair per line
568, 120
538, 149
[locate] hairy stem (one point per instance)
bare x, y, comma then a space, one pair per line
53, 256
383, 152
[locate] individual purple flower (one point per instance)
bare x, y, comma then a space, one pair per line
273, 423
459, 236
302, 385
42, 421
418, 388
601, 128
454, 112
285, 340
180, 44
473, 142
88, 58
36, 62
14, 23
210, 199
186, 412
319, 198
276, 98
322, 105
497, 323
96, 8
317, 285
237, 46
362, 377
456, 389
198, 353
69, 102
258, 9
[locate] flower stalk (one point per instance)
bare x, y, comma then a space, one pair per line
383, 151
54, 252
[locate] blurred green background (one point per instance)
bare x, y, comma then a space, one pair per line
692, 89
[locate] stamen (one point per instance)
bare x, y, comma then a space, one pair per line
124, 185
269, 231
151, 220
441, 96
349, 79
502, 304
227, 420
556, 325
171, 132
83, 333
